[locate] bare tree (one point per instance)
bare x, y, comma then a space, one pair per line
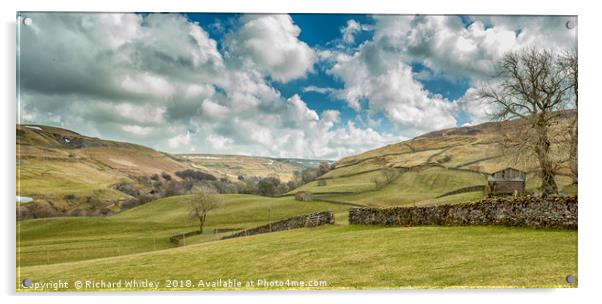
533, 85
200, 204
569, 62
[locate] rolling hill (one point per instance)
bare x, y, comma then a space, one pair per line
67, 170
147, 227
429, 169
72, 173
426, 168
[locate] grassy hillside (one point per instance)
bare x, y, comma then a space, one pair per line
352, 257
67, 170
71, 172
410, 187
455, 147
431, 165
146, 228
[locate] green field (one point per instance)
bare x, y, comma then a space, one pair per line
347, 256
356, 183
407, 188
51, 181
145, 228
134, 244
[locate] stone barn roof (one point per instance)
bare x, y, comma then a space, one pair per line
508, 174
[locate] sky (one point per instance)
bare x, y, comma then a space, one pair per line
320, 86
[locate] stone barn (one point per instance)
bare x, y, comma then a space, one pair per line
507, 181
303, 196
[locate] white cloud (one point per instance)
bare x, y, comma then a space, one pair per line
160, 80
137, 130
386, 84
378, 75
176, 41
195, 90
219, 142
113, 29
179, 140
214, 109
163, 82
478, 110
270, 43
353, 28
446, 46
350, 30
141, 113
301, 111
248, 89
148, 84
321, 90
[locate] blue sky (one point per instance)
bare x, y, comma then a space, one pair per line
299, 85
319, 31
323, 31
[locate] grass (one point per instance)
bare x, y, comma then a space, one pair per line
351, 170
401, 147
468, 153
414, 186
145, 228
352, 257
411, 160
239, 210
134, 244
570, 189
53, 180
453, 199
356, 183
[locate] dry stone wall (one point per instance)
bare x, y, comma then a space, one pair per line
527, 211
308, 220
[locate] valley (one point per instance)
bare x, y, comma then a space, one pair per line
68, 171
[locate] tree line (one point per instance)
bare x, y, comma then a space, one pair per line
194, 181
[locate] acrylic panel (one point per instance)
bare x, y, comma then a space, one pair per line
206, 151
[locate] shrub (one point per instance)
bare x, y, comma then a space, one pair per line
166, 176
127, 188
104, 211
144, 180
324, 168
195, 175
267, 186
36, 210
75, 212
137, 201
174, 188
292, 184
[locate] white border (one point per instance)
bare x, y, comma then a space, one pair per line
589, 146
